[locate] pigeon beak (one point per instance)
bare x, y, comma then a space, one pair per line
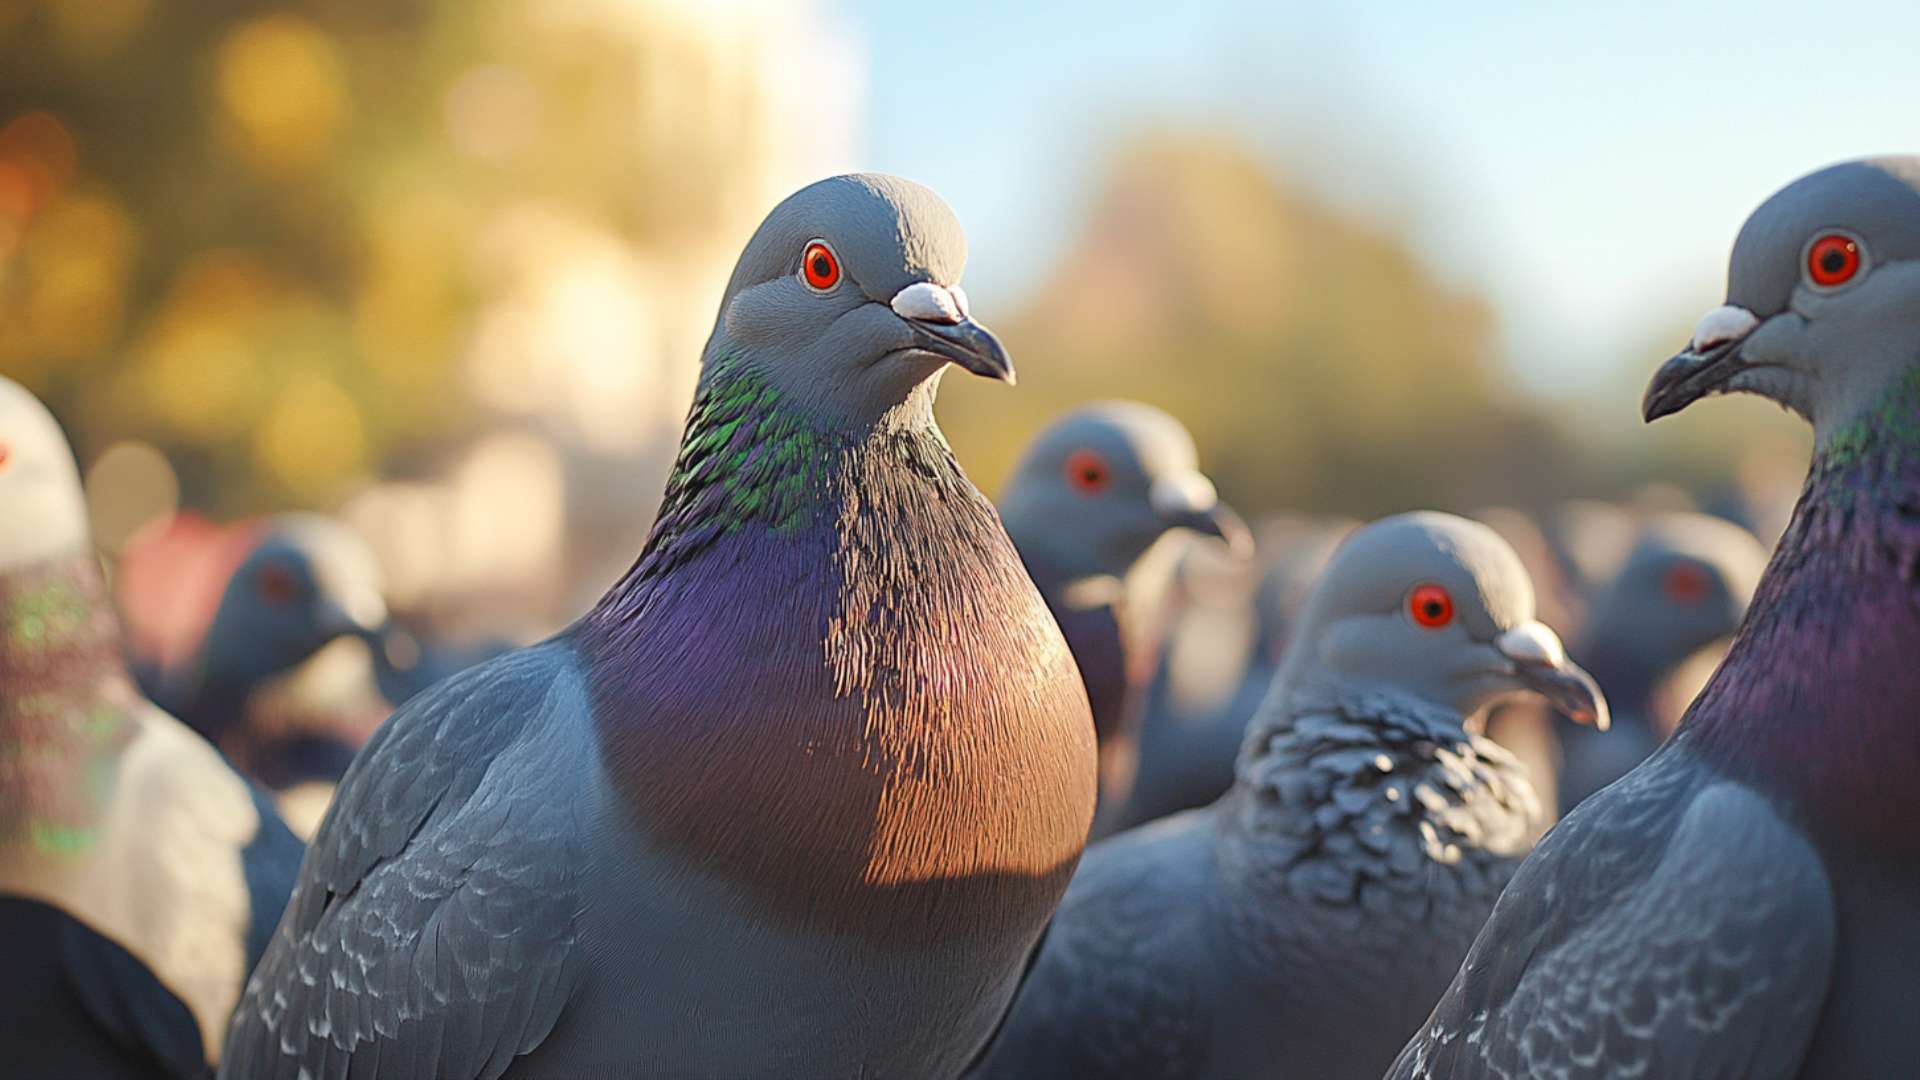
941, 326
1541, 665
1188, 501
1708, 362
359, 615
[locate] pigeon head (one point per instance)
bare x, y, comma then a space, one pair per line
1101, 484
1823, 301
847, 299
308, 581
1438, 607
1685, 585
42, 511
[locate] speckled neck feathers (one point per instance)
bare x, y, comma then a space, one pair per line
827, 673
64, 702
1356, 798
1816, 701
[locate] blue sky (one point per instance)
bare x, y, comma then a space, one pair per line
1584, 165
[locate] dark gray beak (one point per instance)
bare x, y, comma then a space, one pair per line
1541, 665
1689, 377
943, 326
334, 619
968, 345
1570, 691
1709, 361
1219, 522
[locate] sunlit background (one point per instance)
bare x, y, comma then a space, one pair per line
445, 266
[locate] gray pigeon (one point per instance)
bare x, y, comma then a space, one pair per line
306, 581
1747, 902
1092, 493
139, 874
1684, 587
796, 798
1304, 924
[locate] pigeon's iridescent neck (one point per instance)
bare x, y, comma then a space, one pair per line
830, 645
65, 702
748, 461
1819, 697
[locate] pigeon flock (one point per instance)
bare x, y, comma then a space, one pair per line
857, 773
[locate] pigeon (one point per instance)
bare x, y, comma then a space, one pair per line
1091, 494
795, 798
304, 582
1304, 924
1190, 735
1747, 901
140, 876
1684, 587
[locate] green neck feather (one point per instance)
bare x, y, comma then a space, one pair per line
1890, 431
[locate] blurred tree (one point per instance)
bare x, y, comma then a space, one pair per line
1319, 363
256, 233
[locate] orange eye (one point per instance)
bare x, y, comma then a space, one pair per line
1833, 260
275, 584
4, 454
819, 266
1430, 605
1685, 583
1088, 472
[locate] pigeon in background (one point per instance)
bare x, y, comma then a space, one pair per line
1684, 587
140, 876
1190, 734
796, 798
1092, 493
1747, 901
1304, 924
304, 582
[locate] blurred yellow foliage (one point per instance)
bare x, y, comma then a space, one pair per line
311, 437
281, 82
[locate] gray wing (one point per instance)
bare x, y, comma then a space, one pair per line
1112, 992
431, 934
1674, 925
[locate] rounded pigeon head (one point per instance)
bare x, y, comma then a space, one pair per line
1438, 607
1685, 585
848, 297
1823, 300
43, 514
308, 581
1098, 486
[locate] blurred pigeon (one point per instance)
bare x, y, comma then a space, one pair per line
1305, 923
1191, 734
795, 799
1684, 587
1747, 902
140, 876
304, 582
1095, 490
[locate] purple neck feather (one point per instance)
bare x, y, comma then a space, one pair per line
827, 675
1819, 698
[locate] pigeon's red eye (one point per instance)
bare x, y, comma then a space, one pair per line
3, 455
1430, 605
1684, 583
276, 585
819, 267
1833, 260
1088, 472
